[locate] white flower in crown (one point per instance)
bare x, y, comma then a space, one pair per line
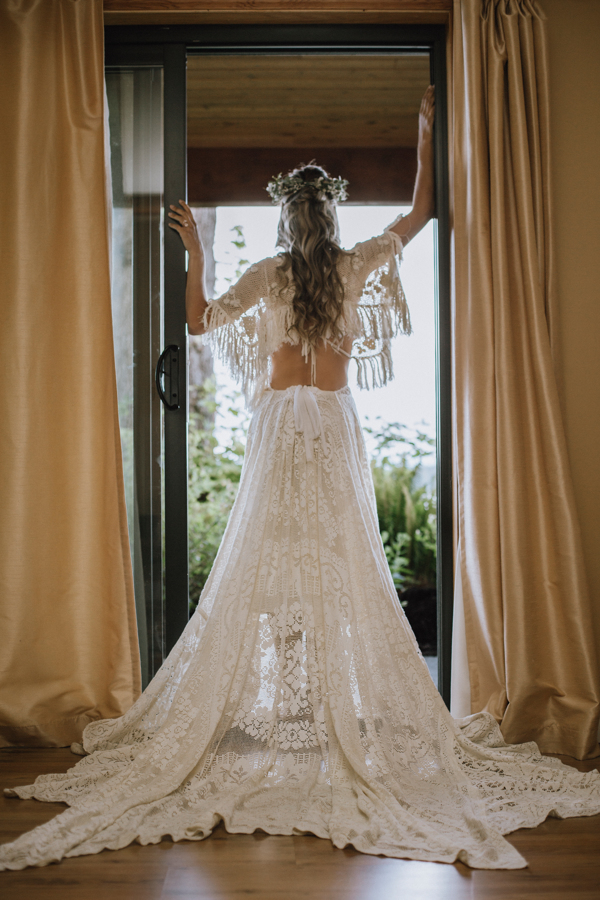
326, 188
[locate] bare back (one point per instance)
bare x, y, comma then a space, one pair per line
289, 367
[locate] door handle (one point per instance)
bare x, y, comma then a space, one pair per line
167, 369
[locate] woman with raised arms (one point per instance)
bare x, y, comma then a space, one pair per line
297, 700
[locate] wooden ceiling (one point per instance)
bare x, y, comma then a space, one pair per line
304, 101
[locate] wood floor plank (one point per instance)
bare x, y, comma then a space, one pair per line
18, 767
563, 857
387, 881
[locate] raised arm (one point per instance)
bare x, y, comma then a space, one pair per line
423, 204
195, 292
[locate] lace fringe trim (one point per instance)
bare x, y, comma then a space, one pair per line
234, 344
245, 343
379, 367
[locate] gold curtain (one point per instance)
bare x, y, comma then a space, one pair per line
527, 617
69, 650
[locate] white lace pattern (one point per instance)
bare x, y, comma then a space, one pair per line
297, 699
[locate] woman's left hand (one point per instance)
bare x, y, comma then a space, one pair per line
185, 226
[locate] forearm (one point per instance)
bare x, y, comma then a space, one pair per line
423, 203
195, 294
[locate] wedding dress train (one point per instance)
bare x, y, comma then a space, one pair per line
297, 700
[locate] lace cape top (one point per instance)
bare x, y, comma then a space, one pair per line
251, 320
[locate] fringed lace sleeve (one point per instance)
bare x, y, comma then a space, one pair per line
377, 309
232, 324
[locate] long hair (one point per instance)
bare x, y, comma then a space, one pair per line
308, 232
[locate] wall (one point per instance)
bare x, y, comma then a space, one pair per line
574, 45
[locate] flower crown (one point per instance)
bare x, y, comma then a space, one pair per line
325, 187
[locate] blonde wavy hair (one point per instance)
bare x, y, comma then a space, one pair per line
308, 233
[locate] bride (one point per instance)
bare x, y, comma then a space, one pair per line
296, 700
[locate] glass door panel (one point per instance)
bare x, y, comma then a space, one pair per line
135, 100
157, 449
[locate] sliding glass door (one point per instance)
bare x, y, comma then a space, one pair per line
148, 283
135, 99
152, 357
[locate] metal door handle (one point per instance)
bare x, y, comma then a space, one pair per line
167, 368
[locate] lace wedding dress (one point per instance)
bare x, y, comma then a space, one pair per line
297, 700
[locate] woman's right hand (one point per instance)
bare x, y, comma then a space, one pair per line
426, 117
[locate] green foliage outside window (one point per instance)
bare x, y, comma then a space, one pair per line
406, 510
214, 476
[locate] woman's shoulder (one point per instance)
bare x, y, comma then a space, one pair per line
267, 266
258, 275
266, 269
367, 256
379, 244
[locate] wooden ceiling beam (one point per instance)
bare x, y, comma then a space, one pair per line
229, 12
227, 176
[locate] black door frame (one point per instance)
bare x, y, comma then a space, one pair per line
169, 47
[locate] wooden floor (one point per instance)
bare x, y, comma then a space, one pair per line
563, 856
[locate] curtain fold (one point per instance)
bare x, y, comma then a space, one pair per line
525, 603
69, 643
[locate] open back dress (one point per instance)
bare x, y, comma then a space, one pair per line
297, 700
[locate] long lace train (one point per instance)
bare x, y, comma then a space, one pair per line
296, 699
